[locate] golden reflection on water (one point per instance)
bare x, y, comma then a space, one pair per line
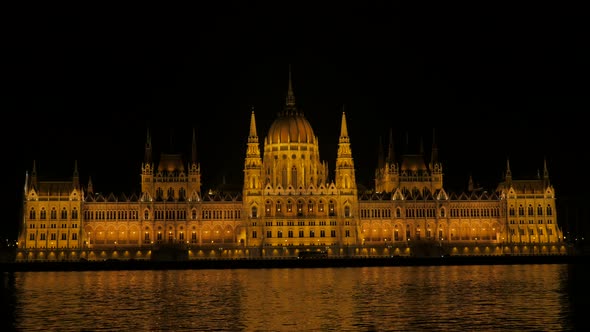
438, 298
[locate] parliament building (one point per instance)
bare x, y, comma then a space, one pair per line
289, 203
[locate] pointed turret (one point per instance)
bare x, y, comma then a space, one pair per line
508, 172
253, 161
194, 168
545, 173
252, 135
390, 148
343, 128
345, 178
90, 188
470, 186
76, 177
26, 189
147, 167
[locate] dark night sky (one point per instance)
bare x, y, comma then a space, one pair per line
493, 87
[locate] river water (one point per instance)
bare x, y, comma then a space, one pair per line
544, 297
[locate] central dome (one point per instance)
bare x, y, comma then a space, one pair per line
291, 127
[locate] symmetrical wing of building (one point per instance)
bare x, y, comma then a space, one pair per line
289, 204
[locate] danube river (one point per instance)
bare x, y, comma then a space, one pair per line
544, 297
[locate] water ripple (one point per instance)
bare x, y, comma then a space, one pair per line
441, 298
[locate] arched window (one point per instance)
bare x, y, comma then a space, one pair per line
331, 209
539, 210
530, 210
511, 211
75, 214
193, 214
254, 212
278, 206
32, 214
43, 214
64, 214
146, 215
398, 212
347, 211
521, 210
442, 212
53, 214
299, 208
549, 210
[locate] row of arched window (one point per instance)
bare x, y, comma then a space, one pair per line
301, 209
53, 214
530, 210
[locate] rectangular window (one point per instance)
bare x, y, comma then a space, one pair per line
322, 233
268, 234
254, 234
301, 233
64, 236
290, 233
43, 236
32, 237
312, 233
53, 236
333, 233
74, 236
347, 233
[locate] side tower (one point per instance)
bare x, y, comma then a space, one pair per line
532, 213
170, 181
413, 174
252, 191
387, 173
52, 219
346, 186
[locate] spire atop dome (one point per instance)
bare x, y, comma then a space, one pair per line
290, 96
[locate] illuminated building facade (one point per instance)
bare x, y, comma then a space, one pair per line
288, 204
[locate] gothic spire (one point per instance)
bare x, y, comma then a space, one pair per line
343, 128
508, 172
252, 133
390, 150
90, 187
76, 177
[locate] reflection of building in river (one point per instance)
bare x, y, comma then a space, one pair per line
289, 203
